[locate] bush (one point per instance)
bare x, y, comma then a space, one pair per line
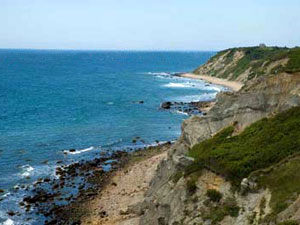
214, 195
289, 222
259, 146
191, 186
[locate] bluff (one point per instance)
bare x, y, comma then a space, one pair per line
211, 175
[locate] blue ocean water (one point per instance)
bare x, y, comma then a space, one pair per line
52, 101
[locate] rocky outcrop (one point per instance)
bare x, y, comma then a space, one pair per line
168, 200
260, 98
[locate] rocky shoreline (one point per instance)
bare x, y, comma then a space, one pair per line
189, 108
55, 199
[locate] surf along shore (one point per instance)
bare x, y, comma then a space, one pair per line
233, 85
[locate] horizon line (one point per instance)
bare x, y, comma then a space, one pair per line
111, 50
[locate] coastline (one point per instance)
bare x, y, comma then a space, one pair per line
118, 201
116, 191
233, 85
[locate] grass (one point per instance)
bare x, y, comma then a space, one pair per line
284, 182
255, 57
259, 146
289, 222
218, 212
214, 195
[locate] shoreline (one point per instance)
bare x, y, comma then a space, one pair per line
117, 189
233, 85
148, 159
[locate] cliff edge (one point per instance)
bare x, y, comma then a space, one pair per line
211, 175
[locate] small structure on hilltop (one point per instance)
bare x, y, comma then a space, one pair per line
262, 45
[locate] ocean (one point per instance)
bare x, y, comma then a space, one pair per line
90, 101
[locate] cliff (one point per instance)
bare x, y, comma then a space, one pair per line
211, 175
244, 64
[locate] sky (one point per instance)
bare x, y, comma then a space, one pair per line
148, 24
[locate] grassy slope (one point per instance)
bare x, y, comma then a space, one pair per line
261, 145
268, 149
284, 183
255, 57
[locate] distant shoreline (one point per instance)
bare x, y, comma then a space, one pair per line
234, 85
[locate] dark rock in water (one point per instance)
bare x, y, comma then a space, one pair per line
72, 150
52, 222
138, 102
1, 191
11, 213
166, 105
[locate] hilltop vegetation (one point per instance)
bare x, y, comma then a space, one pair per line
250, 62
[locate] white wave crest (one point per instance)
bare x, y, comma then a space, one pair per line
26, 170
8, 222
159, 73
178, 85
80, 151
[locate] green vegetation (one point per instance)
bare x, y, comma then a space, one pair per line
293, 64
259, 146
218, 212
283, 180
289, 222
257, 59
191, 182
214, 195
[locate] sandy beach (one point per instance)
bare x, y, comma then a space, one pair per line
234, 85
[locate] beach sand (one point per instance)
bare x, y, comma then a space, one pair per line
234, 85
126, 188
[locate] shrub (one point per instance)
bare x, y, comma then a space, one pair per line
214, 195
289, 222
259, 146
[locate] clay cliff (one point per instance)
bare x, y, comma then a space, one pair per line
202, 181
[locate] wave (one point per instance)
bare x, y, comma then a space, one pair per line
80, 151
8, 222
159, 73
181, 85
26, 170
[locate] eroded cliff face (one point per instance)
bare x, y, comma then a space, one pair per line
169, 200
260, 98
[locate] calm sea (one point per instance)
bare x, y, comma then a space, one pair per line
51, 101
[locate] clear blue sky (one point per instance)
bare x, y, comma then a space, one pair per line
148, 24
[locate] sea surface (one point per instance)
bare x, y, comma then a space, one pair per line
53, 101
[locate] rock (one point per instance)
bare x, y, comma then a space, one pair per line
124, 211
183, 161
247, 185
166, 105
72, 150
1, 191
11, 213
